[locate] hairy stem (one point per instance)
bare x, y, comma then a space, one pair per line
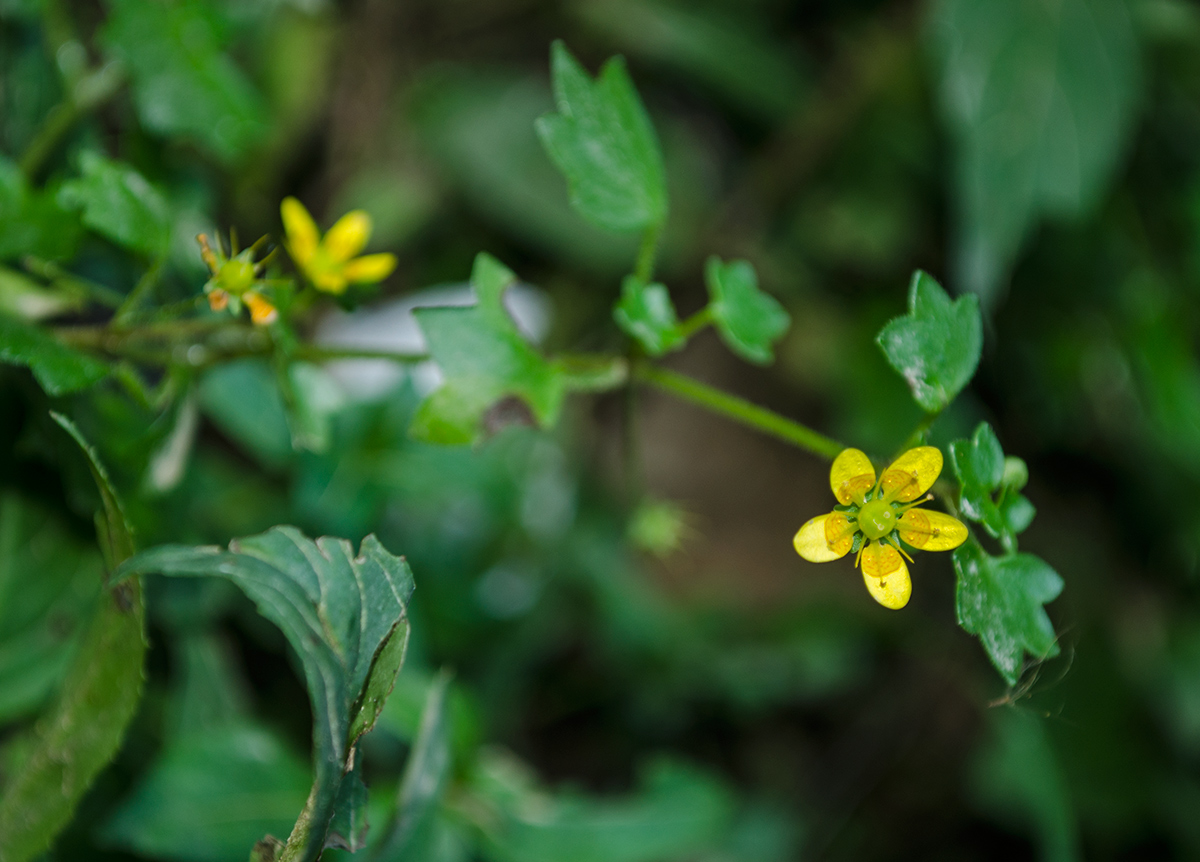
740, 410
643, 269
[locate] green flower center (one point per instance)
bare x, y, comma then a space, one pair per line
236, 276
877, 518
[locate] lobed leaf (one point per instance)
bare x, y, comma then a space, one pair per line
748, 320
120, 204
1000, 600
484, 358
604, 144
937, 345
645, 313
983, 470
346, 617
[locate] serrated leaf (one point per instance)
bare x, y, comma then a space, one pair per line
1040, 98
1000, 600
484, 359
748, 320
183, 84
57, 368
424, 777
645, 312
604, 144
211, 795
340, 613
82, 732
120, 204
937, 345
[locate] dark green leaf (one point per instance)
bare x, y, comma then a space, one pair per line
58, 369
1040, 98
647, 314
183, 84
484, 358
603, 142
242, 398
424, 777
211, 795
100, 692
49, 584
1000, 599
345, 616
1019, 779
678, 812
118, 203
348, 826
936, 346
981, 468
749, 321
33, 222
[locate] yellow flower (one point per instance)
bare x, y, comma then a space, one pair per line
330, 262
875, 517
236, 278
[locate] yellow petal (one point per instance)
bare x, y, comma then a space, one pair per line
891, 591
812, 544
369, 268
880, 560
261, 311
851, 475
912, 474
349, 236
329, 281
931, 531
301, 230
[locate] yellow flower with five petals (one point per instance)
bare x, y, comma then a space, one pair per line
329, 262
877, 518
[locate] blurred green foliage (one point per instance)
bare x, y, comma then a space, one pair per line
642, 668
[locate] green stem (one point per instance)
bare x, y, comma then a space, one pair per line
696, 322
140, 291
740, 410
643, 269
89, 93
921, 433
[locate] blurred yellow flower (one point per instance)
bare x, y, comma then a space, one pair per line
236, 279
329, 262
874, 517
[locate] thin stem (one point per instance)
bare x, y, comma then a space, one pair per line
91, 91
921, 433
643, 269
140, 291
696, 322
740, 410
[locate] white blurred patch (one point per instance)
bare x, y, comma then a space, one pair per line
391, 326
169, 462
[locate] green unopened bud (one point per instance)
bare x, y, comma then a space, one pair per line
1016, 474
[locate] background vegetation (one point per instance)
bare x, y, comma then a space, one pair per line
637, 665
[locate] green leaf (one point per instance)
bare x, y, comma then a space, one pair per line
346, 618
33, 222
82, 732
118, 203
49, 584
183, 84
1018, 778
348, 826
211, 795
24, 298
604, 144
982, 470
424, 779
678, 812
936, 346
1040, 98
57, 368
646, 313
484, 358
1000, 600
748, 320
